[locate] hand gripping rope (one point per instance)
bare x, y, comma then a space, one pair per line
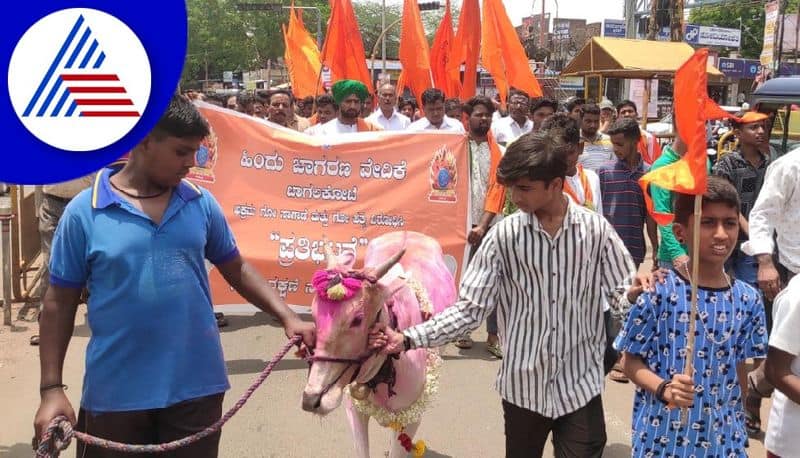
59, 432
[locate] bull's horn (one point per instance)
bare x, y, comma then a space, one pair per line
382, 269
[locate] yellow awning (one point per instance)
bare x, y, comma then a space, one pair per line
624, 58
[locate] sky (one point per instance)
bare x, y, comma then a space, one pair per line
591, 10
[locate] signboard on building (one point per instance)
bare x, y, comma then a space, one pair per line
614, 28
702, 35
770, 27
739, 68
561, 29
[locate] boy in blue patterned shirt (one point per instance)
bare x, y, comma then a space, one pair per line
730, 328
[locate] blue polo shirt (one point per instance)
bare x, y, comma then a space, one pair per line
624, 206
154, 338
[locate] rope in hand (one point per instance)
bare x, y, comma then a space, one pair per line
59, 432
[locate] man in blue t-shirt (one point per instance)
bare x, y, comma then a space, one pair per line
138, 239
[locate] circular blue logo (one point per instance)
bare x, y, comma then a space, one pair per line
85, 84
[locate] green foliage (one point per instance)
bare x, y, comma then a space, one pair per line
729, 14
222, 38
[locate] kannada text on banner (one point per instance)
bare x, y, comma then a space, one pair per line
285, 193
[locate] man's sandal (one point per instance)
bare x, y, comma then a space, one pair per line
495, 350
752, 414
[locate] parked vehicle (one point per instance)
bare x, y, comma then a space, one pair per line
780, 98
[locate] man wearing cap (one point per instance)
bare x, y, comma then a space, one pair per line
607, 115
349, 95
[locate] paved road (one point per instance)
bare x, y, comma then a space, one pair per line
465, 420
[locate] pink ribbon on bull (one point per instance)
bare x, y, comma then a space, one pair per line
335, 286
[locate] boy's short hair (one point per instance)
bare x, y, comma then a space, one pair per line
543, 102
432, 95
627, 103
326, 99
470, 104
537, 156
518, 93
628, 127
405, 101
571, 104
568, 128
720, 191
452, 103
182, 120
590, 108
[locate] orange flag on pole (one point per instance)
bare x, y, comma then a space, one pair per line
692, 105
441, 53
502, 53
343, 51
466, 48
302, 58
414, 54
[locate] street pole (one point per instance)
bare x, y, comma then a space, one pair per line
6, 216
383, 40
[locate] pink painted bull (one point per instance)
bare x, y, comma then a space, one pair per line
404, 280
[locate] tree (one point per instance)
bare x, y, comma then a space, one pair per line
223, 38
728, 15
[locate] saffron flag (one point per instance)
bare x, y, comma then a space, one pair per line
343, 51
466, 48
502, 53
692, 108
441, 53
414, 54
302, 58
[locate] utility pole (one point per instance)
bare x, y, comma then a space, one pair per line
383, 40
652, 30
542, 28
676, 20
781, 22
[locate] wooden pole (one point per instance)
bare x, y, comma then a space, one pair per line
646, 101
688, 369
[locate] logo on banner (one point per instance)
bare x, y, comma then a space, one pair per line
205, 159
443, 176
79, 79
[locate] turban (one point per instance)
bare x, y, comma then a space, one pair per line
343, 88
752, 116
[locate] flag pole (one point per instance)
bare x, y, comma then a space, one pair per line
688, 369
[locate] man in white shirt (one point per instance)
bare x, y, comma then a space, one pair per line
597, 148
350, 96
776, 212
435, 119
510, 128
783, 370
387, 116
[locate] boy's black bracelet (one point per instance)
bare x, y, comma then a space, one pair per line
406, 343
52, 387
662, 387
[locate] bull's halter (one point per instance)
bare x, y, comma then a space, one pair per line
349, 362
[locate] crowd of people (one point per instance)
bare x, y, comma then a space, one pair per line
558, 230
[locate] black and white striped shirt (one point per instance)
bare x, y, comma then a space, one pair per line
549, 292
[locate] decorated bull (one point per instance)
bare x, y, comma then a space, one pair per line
403, 282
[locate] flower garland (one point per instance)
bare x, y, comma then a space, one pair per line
412, 413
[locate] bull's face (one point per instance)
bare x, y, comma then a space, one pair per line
346, 306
